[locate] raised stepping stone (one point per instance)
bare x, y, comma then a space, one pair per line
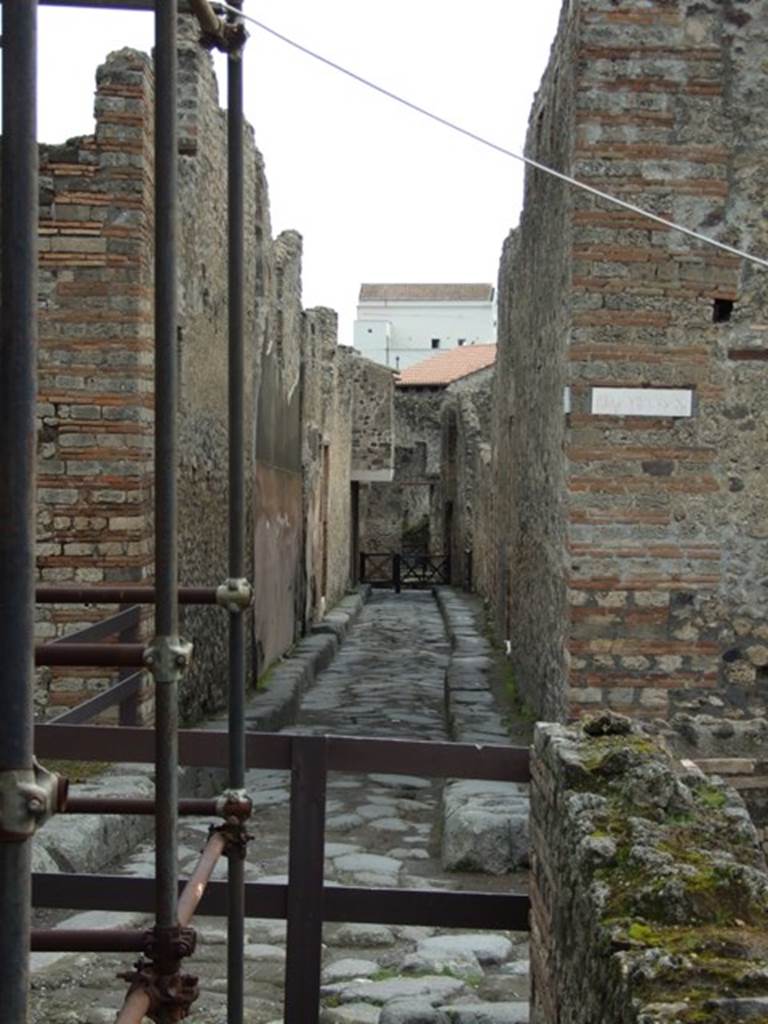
489, 949
345, 970
484, 829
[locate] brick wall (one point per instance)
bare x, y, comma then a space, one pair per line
96, 361
96, 384
652, 527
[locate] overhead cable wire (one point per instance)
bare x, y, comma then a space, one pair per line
453, 126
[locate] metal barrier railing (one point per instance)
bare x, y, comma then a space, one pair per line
304, 902
395, 570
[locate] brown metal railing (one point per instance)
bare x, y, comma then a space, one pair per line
304, 902
395, 570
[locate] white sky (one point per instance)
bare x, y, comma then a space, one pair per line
378, 192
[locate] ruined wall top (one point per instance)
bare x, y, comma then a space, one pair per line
650, 894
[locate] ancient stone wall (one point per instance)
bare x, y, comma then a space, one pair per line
373, 426
649, 895
465, 427
327, 392
96, 384
405, 514
203, 340
96, 361
652, 525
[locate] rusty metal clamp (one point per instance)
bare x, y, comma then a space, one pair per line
168, 658
236, 837
170, 996
234, 804
28, 797
235, 595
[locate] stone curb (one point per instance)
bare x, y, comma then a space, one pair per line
278, 705
484, 823
86, 842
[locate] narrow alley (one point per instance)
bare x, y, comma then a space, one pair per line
388, 680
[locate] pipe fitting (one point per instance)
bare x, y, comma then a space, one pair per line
168, 658
28, 798
235, 595
234, 803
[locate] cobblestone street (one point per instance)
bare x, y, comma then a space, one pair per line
382, 831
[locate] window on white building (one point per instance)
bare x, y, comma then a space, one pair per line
435, 343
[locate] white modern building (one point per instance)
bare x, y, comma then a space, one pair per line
398, 325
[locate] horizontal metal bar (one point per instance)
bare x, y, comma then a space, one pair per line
128, 618
503, 911
114, 655
129, 593
273, 750
80, 940
145, 805
122, 690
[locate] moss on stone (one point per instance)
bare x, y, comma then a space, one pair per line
681, 901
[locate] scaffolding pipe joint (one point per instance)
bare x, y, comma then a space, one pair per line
168, 658
162, 998
28, 797
218, 33
236, 595
236, 837
234, 803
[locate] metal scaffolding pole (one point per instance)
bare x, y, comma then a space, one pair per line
18, 368
236, 374
167, 656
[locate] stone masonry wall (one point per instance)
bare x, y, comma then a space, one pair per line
405, 513
655, 525
373, 425
96, 364
465, 418
202, 335
327, 392
649, 896
96, 375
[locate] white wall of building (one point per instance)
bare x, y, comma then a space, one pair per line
414, 327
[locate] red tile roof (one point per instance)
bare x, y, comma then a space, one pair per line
446, 367
426, 293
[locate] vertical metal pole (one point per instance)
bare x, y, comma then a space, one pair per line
303, 954
166, 404
18, 367
237, 620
